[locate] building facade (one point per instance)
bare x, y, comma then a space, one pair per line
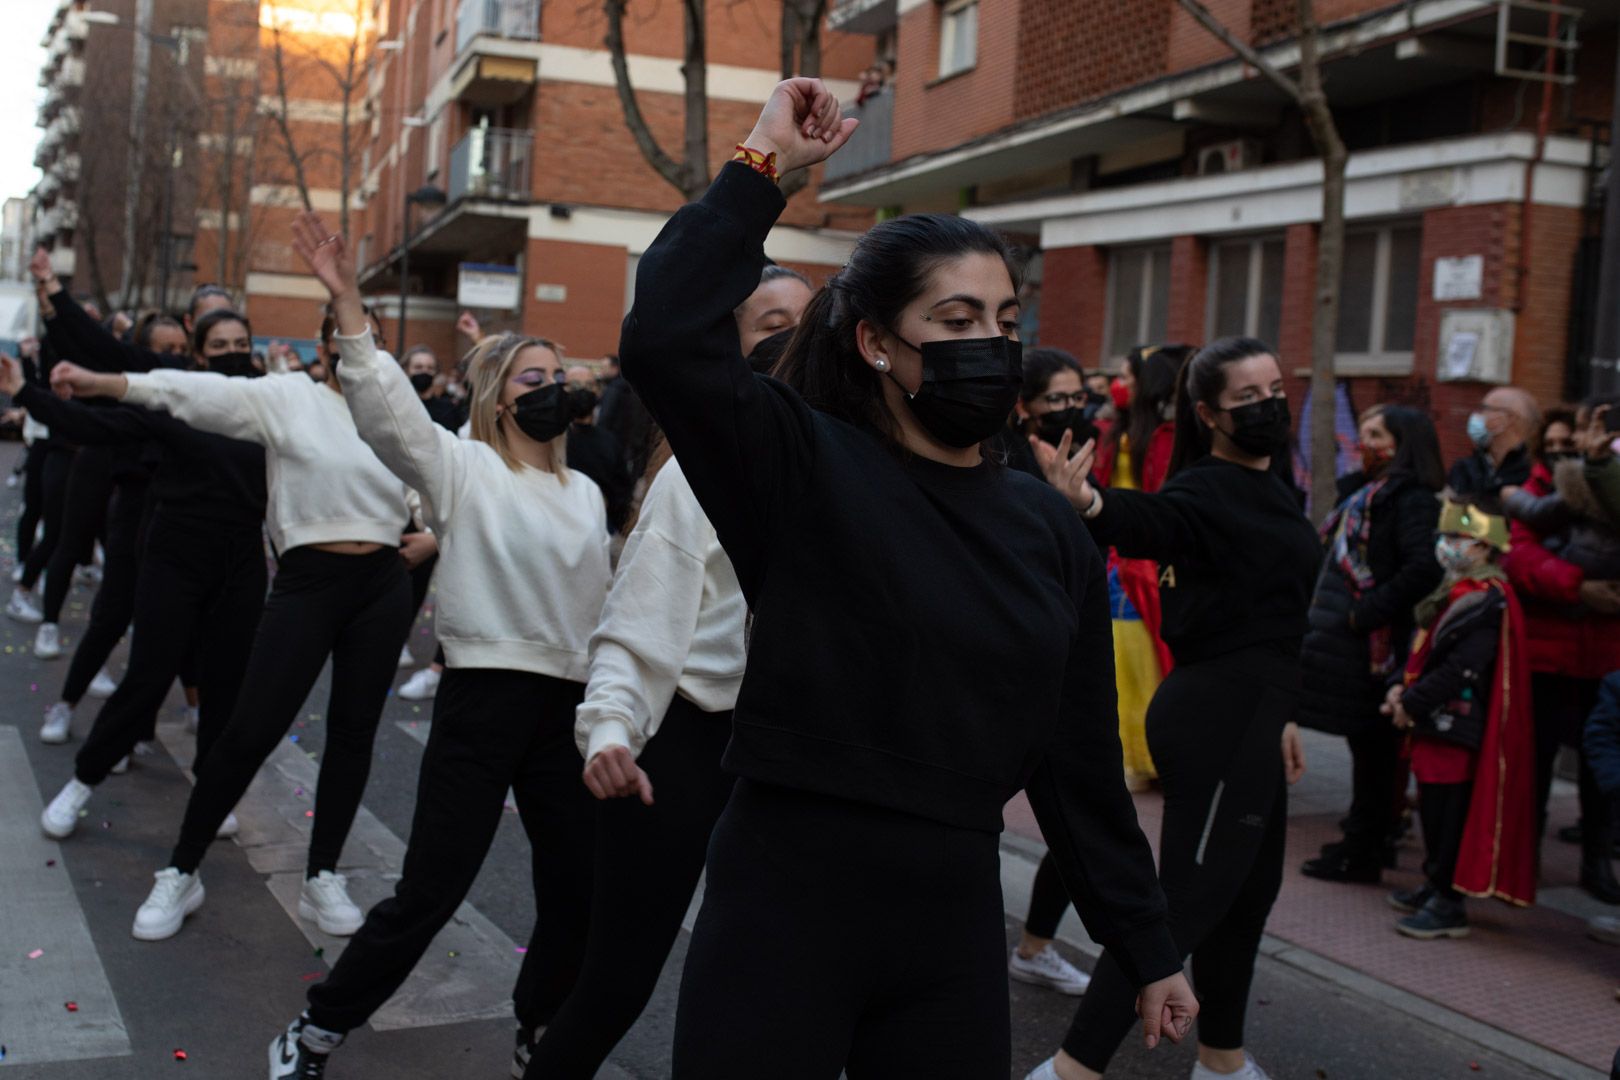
1171, 192
495, 137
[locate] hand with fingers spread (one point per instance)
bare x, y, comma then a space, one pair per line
1069, 474
1167, 1009
801, 124
327, 255
612, 773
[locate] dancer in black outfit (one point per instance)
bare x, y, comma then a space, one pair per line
1237, 564
893, 573
45, 489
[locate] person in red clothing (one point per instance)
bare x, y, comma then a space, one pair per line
1572, 605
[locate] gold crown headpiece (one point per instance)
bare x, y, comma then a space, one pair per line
1457, 519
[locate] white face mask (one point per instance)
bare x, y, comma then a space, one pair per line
1457, 554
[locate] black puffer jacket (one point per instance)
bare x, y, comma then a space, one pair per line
1452, 695
1341, 695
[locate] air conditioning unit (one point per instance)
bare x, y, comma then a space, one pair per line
1232, 156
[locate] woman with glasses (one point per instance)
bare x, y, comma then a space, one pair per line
524, 573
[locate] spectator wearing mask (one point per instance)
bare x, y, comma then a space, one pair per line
593, 450
1380, 562
422, 367
1051, 401
1469, 726
1500, 429
1565, 565
622, 413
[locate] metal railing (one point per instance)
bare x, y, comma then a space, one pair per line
502, 18
492, 163
869, 147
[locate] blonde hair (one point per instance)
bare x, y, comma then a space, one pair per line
489, 366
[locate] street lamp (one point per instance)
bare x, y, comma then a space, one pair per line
426, 195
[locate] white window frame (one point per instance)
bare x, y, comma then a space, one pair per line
1251, 298
1379, 361
1144, 303
956, 18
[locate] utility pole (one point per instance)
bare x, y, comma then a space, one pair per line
1604, 372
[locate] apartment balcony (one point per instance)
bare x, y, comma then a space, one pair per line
868, 148
492, 163
863, 16
497, 62
72, 74
67, 167
48, 186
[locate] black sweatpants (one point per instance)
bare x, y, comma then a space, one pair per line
353, 608
1443, 813
1215, 730
780, 977
84, 513
33, 504
492, 730
1377, 789
1561, 705
201, 585
1048, 900
56, 461
648, 860
114, 605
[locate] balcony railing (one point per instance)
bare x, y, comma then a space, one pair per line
868, 148
492, 163
502, 18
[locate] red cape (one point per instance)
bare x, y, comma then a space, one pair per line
1498, 854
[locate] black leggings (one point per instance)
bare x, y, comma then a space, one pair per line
33, 504
648, 859
84, 515
1561, 705
55, 463
201, 586
353, 608
1443, 813
1048, 900
780, 979
492, 730
1215, 730
114, 604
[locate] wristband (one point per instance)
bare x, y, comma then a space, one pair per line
1094, 507
759, 161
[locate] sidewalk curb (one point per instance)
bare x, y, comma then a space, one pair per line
1531, 1055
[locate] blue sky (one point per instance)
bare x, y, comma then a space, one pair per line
20, 61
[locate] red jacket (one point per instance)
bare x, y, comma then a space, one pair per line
1564, 639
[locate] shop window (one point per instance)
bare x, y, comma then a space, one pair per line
1245, 289
958, 37
1138, 298
1378, 294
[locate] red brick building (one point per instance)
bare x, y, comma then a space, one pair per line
509, 109
1171, 191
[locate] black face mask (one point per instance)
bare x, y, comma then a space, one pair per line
1051, 426
581, 403
968, 387
1554, 457
422, 382
1261, 427
234, 364
543, 413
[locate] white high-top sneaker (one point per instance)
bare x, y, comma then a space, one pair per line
103, 685
1250, 1071
325, 900
174, 896
21, 606
61, 817
421, 686
57, 720
48, 641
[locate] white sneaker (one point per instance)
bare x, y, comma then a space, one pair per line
325, 900
191, 719
103, 685
1250, 1071
57, 720
405, 658
1046, 1070
229, 827
61, 817
16, 573
48, 641
300, 1052
1047, 968
21, 607
87, 575
121, 767
421, 686
174, 896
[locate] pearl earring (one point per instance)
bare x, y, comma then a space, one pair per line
881, 364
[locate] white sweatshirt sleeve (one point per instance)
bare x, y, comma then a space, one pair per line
208, 401
390, 418
645, 634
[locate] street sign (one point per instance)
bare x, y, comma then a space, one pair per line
1461, 278
489, 285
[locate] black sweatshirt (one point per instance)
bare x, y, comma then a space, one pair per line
926, 638
78, 337
203, 477
1237, 559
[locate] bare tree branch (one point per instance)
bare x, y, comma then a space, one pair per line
634, 119
280, 114
1244, 51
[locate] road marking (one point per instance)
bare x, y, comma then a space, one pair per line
468, 971
39, 910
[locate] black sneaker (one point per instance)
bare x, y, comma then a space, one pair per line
1342, 866
527, 1039
292, 1059
1410, 901
1439, 918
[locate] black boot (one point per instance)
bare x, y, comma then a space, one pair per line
1345, 864
1441, 917
1411, 901
1597, 878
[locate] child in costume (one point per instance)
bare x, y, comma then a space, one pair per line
1465, 700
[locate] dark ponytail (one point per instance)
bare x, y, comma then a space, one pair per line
1202, 378
1155, 369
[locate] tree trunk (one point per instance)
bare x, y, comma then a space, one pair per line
634, 119
346, 136
695, 68
283, 122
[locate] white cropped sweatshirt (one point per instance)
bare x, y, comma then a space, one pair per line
673, 624
523, 553
325, 484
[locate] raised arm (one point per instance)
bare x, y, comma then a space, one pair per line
77, 336
73, 420
745, 442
